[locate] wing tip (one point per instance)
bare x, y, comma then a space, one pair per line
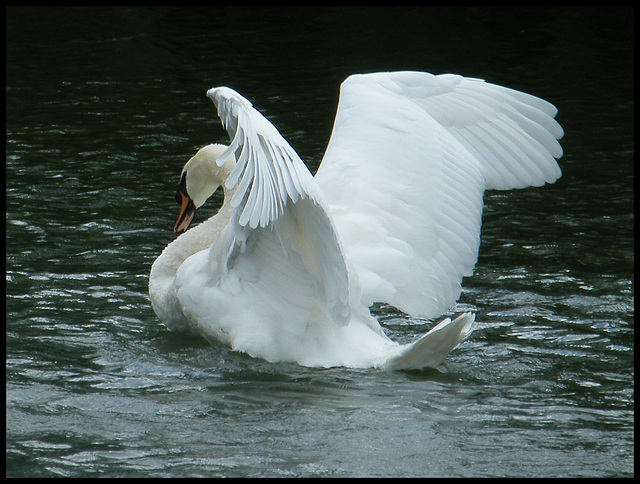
223, 93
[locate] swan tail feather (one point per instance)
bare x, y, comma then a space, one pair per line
432, 348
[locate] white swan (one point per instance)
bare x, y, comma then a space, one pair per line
287, 268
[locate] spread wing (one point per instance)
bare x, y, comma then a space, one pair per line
277, 266
408, 161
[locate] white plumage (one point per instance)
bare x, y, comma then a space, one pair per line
287, 269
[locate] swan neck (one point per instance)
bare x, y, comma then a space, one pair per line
197, 238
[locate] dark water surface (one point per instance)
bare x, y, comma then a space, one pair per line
104, 106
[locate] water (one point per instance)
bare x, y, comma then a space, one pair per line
104, 107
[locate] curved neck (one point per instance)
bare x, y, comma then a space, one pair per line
197, 238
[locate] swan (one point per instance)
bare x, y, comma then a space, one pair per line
289, 266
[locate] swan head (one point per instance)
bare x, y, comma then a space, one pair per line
200, 178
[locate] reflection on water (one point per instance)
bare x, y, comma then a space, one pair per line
95, 143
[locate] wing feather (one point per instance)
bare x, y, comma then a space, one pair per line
277, 203
436, 143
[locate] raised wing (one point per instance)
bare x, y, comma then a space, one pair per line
279, 250
409, 159
268, 172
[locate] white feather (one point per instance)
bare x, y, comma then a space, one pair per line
288, 267
424, 148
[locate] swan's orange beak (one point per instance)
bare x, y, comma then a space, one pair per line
187, 211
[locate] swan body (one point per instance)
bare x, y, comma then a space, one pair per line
288, 267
